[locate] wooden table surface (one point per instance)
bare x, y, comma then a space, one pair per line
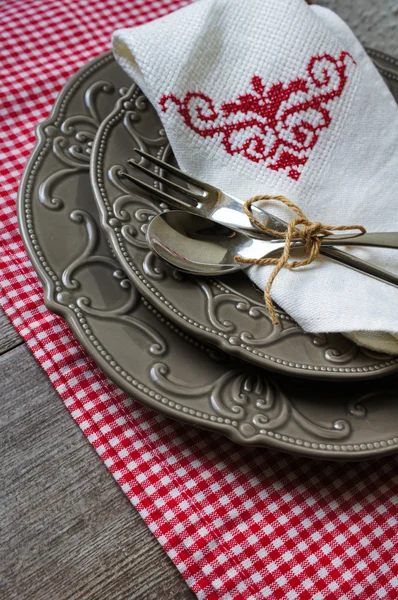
67, 529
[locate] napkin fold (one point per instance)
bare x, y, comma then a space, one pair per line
277, 97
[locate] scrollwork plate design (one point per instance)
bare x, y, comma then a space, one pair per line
139, 348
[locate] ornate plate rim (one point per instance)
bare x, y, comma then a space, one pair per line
279, 442
24, 224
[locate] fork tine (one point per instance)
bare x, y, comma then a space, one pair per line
171, 184
176, 171
156, 192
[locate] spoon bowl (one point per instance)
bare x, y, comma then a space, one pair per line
197, 245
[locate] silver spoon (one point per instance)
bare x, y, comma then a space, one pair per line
201, 246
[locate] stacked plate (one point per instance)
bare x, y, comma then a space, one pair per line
200, 350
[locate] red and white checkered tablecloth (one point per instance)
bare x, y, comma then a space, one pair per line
237, 522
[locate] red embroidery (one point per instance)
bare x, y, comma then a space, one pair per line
280, 125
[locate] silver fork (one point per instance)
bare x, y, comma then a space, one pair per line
208, 201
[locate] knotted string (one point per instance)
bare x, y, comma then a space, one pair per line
308, 233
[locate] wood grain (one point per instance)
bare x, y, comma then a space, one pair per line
9, 338
68, 531
374, 22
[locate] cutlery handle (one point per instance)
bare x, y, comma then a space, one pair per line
353, 262
333, 254
357, 264
377, 240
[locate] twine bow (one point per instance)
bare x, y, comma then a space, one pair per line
308, 233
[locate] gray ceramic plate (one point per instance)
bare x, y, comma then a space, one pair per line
137, 347
228, 312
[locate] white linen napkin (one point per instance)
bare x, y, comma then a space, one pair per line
277, 97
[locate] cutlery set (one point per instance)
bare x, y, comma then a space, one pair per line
209, 202
205, 239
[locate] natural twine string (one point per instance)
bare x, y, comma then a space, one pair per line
308, 233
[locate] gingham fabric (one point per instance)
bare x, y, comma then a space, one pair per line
238, 523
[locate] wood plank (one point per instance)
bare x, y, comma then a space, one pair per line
372, 21
9, 338
68, 531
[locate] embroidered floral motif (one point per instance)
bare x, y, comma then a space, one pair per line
279, 125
